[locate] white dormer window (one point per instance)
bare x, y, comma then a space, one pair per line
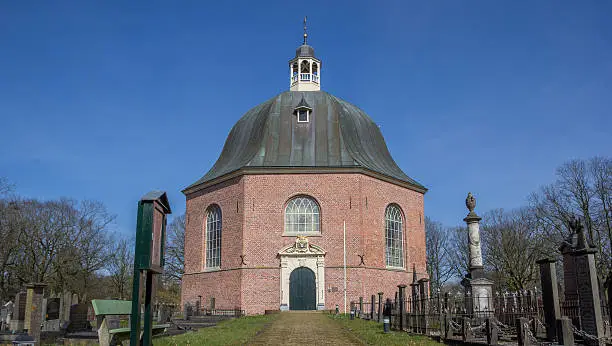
302, 115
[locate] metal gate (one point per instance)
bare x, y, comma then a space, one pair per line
302, 290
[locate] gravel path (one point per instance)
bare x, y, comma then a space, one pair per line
304, 328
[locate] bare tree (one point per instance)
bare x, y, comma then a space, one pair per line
601, 172
583, 188
459, 250
62, 243
46, 227
5, 186
11, 225
175, 250
90, 242
511, 247
439, 264
121, 268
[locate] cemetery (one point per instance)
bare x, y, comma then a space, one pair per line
35, 316
301, 228
479, 315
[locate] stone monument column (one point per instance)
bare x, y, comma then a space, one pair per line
587, 284
550, 296
473, 224
479, 288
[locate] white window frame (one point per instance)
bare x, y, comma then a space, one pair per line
394, 237
213, 236
307, 115
296, 216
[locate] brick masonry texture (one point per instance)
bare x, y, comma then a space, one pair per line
252, 208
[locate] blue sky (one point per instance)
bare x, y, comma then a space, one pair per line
107, 100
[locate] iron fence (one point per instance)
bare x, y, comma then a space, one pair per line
459, 316
466, 318
196, 310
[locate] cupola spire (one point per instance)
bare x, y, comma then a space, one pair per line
305, 68
305, 33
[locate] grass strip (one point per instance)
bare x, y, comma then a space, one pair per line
371, 333
230, 332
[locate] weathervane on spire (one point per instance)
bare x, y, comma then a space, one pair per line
305, 34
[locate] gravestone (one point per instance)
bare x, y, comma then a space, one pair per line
34, 307
413, 307
113, 321
187, 311
373, 307
424, 306
18, 316
550, 296
380, 298
588, 291
79, 319
570, 284
402, 307
491, 331
53, 309
164, 314
65, 304
52, 322
3, 318
43, 310
565, 333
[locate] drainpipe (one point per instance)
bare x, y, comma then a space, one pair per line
344, 246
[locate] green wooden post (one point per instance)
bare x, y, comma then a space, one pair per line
148, 314
144, 267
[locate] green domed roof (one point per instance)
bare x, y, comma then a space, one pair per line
338, 135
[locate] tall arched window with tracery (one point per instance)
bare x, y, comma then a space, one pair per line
394, 237
213, 237
302, 216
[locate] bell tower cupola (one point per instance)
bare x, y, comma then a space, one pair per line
305, 68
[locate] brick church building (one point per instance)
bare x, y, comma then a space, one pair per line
305, 190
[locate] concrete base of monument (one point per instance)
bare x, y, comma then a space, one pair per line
482, 296
477, 272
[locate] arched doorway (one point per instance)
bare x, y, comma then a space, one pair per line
301, 255
302, 289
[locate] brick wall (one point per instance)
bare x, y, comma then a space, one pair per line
223, 285
253, 225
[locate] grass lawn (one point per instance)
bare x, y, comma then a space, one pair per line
230, 332
371, 333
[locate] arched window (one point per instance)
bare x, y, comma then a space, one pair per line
394, 238
213, 237
302, 216
305, 68
315, 68
295, 68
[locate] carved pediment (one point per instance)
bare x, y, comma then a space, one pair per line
301, 247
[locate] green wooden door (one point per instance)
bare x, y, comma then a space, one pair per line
302, 290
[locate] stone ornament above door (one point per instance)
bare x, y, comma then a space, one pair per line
302, 254
301, 247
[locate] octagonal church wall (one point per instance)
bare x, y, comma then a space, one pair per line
253, 226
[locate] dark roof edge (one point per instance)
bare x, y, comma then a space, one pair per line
302, 170
157, 195
311, 57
